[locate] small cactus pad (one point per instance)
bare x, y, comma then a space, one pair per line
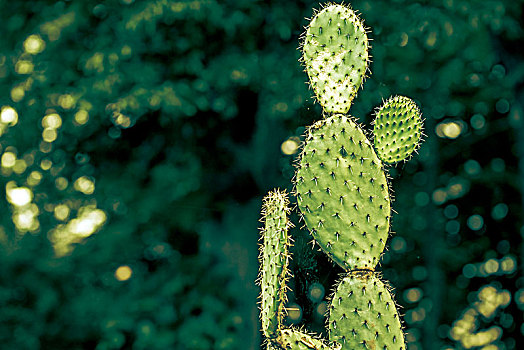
342, 193
335, 53
297, 340
398, 129
274, 261
363, 314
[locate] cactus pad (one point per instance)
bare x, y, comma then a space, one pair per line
398, 129
297, 340
335, 53
274, 261
343, 193
363, 314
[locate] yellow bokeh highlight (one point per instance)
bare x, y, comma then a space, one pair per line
61, 212
61, 183
290, 146
52, 121
8, 159
85, 185
34, 44
25, 219
123, 273
18, 196
17, 93
464, 330
46, 164
508, 264
89, 220
448, 129
81, 117
34, 178
24, 67
121, 120
49, 135
66, 101
8, 115
20, 166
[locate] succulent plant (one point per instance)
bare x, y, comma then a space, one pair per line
342, 194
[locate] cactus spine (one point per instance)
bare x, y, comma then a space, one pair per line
342, 191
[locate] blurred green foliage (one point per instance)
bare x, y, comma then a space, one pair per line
171, 117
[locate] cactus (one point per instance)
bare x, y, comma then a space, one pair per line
335, 53
342, 193
397, 130
274, 262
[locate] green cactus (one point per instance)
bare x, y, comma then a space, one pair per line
342, 193
335, 53
274, 259
363, 314
398, 129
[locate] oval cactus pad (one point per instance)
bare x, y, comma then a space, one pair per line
335, 53
363, 314
342, 193
398, 129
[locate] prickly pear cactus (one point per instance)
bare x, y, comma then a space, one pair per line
274, 258
335, 53
342, 194
397, 129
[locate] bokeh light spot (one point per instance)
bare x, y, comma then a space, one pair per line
8, 159
475, 222
413, 295
34, 44
52, 121
123, 273
499, 211
61, 212
290, 146
8, 115
81, 117
85, 185
18, 196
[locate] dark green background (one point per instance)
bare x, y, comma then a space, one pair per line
211, 90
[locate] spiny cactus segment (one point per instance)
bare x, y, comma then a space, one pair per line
363, 314
342, 193
274, 258
299, 340
398, 129
335, 53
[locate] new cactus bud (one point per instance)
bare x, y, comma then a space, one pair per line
274, 258
342, 193
397, 130
335, 53
363, 314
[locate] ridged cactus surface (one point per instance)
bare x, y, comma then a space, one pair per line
274, 257
363, 314
343, 193
335, 53
398, 129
